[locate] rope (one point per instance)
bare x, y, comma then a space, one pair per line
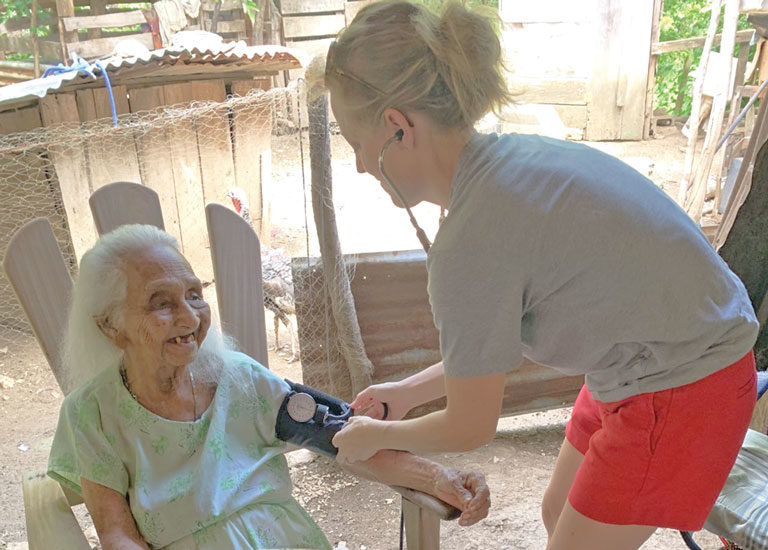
80, 65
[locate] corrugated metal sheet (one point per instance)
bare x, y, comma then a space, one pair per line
164, 63
400, 338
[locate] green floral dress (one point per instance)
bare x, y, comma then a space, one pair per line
220, 482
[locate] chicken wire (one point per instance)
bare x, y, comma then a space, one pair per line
191, 154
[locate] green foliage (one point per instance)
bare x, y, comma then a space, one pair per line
682, 19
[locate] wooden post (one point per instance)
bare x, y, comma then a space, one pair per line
422, 528
358, 366
651, 82
98, 7
35, 45
698, 89
65, 8
715, 128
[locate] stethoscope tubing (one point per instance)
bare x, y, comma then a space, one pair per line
420, 234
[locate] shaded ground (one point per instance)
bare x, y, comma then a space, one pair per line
362, 514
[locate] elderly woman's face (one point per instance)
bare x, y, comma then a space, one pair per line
165, 318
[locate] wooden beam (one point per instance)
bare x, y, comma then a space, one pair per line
124, 19
312, 25
651, 81
65, 8
71, 164
237, 25
698, 42
300, 7
556, 91
90, 49
24, 44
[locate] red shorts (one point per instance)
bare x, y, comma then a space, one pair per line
661, 458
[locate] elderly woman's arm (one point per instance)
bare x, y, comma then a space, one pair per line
467, 491
112, 518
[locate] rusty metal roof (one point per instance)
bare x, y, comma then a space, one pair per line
230, 59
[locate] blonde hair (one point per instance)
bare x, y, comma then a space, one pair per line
399, 54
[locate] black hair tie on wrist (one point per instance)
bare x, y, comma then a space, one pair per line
386, 411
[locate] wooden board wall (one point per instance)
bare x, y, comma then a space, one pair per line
587, 59
617, 91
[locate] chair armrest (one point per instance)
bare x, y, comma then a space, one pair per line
441, 509
50, 521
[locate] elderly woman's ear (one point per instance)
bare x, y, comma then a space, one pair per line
105, 326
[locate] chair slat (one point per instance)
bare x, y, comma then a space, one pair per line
236, 256
47, 509
41, 281
123, 202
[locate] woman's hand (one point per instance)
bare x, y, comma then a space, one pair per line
358, 440
371, 401
467, 491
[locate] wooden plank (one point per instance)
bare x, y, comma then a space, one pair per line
658, 48
105, 46
155, 162
236, 256
552, 11
422, 528
556, 91
24, 44
20, 120
318, 46
120, 203
226, 5
122, 19
312, 25
573, 116
651, 79
65, 8
236, 26
41, 281
214, 143
111, 153
299, 7
252, 137
616, 98
125, 165
98, 7
188, 181
50, 521
70, 162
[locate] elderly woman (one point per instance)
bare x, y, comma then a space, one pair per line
170, 436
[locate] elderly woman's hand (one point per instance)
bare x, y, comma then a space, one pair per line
467, 491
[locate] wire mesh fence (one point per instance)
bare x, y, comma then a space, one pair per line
189, 153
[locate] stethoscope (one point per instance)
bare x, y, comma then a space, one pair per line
422, 236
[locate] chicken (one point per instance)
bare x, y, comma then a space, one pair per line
276, 276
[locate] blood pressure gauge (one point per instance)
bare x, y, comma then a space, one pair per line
301, 407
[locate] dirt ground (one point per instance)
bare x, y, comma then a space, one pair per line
354, 513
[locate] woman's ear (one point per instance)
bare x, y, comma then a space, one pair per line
400, 126
107, 329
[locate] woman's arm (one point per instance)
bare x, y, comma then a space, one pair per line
112, 518
468, 421
402, 396
467, 491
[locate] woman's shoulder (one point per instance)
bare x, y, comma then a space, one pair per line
99, 388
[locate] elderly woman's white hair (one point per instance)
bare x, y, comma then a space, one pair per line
98, 297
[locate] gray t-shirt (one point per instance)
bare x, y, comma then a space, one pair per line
562, 254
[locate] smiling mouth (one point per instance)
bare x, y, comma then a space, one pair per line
183, 339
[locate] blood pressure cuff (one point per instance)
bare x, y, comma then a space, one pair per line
310, 418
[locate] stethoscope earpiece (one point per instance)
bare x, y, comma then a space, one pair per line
399, 135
